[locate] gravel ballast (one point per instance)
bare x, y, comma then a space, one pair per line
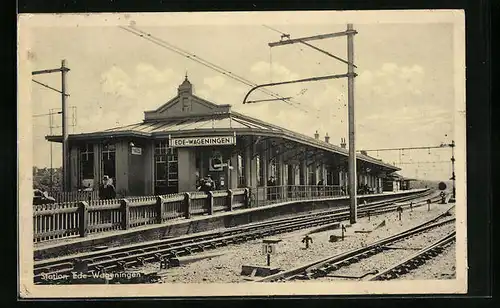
439, 267
291, 252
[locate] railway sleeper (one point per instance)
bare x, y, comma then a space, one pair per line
302, 277
141, 261
122, 265
319, 272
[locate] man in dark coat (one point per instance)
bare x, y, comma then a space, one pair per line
106, 189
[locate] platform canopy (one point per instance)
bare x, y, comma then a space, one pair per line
188, 115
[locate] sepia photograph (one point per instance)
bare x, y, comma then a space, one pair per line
242, 154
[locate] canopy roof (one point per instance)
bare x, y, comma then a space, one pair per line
187, 115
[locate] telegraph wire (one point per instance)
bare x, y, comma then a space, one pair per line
203, 62
206, 63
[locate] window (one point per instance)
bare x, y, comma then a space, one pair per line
86, 162
310, 176
241, 171
260, 171
273, 170
166, 169
108, 161
173, 169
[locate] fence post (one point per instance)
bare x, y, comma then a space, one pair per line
230, 199
125, 209
210, 203
187, 205
159, 209
83, 212
247, 198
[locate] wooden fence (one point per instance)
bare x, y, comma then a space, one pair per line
74, 196
79, 218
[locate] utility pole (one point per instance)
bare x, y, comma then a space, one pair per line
65, 185
65, 153
452, 145
442, 145
350, 32
350, 110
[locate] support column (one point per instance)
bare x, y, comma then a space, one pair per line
314, 170
122, 166
149, 164
303, 170
254, 172
97, 165
247, 158
74, 181
233, 173
264, 163
281, 168
269, 155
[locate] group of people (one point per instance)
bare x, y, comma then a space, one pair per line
206, 184
363, 189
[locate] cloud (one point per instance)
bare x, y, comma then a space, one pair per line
263, 70
116, 81
143, 79
392, 80
215, 82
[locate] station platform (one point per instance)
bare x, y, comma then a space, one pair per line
198, 224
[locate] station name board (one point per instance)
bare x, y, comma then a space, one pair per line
202, 141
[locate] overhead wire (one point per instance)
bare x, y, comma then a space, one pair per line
301, 53
171, 47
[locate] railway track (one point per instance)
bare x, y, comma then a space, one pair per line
322, 268
164, 251
416, 260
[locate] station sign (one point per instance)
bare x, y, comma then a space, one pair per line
202, 141
136, 151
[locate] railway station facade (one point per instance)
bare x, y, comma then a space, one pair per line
189, 138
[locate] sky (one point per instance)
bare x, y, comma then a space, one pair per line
404, 92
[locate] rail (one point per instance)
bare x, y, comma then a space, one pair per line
166, 251
81, 218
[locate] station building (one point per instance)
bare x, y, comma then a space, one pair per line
189, 137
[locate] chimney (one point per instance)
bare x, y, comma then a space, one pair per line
342, 143
327, 138
316, 135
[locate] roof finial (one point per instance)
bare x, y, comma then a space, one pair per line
186, 75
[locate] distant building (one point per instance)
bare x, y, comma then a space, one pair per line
189, 137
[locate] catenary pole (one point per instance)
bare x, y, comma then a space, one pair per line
351, 119
65, 184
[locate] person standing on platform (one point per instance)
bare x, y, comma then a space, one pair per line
321, 183
207, 184
213, 186
106, 189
